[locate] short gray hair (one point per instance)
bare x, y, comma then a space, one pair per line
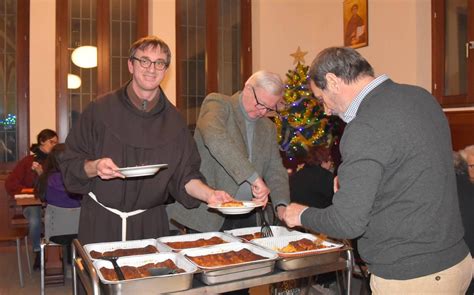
469, 150
269, 81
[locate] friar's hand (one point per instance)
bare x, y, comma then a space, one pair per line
107, 169
292, 214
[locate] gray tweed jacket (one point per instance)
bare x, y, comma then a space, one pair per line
221, 140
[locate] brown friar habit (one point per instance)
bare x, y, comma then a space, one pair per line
113, 127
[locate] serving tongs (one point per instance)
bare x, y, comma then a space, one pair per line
113, 260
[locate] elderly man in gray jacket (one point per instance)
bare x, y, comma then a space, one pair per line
239, 152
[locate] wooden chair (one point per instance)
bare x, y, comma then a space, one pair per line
15, 234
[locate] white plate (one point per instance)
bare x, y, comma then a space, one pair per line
246, 208
141, 170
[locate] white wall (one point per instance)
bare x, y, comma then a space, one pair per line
399, 42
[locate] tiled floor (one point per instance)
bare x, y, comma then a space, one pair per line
10, 281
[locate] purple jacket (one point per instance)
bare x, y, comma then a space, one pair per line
57, 195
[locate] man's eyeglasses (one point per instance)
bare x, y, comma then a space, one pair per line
261, 106
146, 63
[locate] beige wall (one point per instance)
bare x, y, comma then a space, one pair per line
42, 66
399, 42
399, 35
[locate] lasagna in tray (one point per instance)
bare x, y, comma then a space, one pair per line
303, 245
226, 258
132, 272
252, 236
150, 249
197, 243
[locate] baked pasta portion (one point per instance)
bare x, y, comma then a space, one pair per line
232, 204
132, 272
302, 245
227, 258
249, 237
150, 249
196, 243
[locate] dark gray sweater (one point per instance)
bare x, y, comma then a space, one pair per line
397, 186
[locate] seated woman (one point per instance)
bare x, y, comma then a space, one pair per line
312, 185
63, 208
24, 176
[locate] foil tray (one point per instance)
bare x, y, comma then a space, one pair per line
148, 285
221, 274
110, 246
308, 261
194, 237
277, 231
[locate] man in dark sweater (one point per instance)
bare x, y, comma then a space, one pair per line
397, 187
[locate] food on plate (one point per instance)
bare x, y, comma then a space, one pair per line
232, 204
303, 245
150, 249
226, 258
249, 237
195, 243
132, 272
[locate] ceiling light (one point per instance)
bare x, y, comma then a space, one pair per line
73, 81
85, 57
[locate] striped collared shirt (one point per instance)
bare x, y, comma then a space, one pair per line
351, 111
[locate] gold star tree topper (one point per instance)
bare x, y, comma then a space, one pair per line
299, 56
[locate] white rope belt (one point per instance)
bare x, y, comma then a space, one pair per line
123, 215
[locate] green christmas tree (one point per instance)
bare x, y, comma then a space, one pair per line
303, 124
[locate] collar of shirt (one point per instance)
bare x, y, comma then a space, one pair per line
141, 104
351, 111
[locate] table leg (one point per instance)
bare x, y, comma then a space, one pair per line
28, 255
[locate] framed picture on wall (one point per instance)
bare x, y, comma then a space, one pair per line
355, 23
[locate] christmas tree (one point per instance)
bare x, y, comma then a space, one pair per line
303, 124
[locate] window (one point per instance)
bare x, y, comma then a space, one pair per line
453, 52
214, 53
14, 79
111, 26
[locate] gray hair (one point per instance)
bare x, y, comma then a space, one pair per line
344, 62
469, 150
269, 81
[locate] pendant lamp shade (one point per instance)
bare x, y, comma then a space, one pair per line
73, 81
85, 57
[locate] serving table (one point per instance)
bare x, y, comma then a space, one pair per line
85, 271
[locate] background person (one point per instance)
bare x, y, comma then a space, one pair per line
397, 186
312, 185
24, 176
239, 151
132, 125
465, 182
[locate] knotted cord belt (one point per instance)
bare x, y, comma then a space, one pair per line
123, 215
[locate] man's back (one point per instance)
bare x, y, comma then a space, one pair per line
401, 131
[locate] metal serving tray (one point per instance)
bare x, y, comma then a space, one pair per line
194, 237
111, 246
277, 231
148, 285
297, 260
215, 275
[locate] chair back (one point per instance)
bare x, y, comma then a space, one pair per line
60, 221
